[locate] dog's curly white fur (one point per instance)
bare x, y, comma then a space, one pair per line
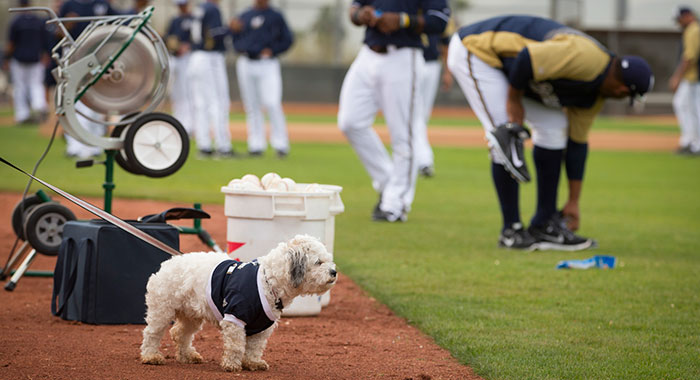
177, 292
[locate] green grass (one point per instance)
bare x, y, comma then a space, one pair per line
509, 315
601, 123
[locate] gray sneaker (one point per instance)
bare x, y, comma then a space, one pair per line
506, 142
554, 235
517, 237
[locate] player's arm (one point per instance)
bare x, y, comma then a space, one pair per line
691, 51
518, 78
580, 122
284, 40
362, 14
433, 20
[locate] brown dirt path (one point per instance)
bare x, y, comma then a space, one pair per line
354, 337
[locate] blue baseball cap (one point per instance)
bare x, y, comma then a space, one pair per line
680, 10
637, 75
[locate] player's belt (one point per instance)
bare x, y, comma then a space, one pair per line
383, 49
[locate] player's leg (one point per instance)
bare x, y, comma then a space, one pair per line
695, 106
197, 73
430, 82
180, 93
357, 108
222, 135
272, 102
248, 79
682, 108
402, 106
37, 92
486, 89
20, 90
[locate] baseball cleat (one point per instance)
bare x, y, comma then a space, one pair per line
555, 236
379, 215
506, 142
427, 171
517, 237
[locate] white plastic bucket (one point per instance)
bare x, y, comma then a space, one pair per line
257, 221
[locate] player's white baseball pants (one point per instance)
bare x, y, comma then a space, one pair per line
209, 84
686, 105
180, 92
77, 148
260, 83
27, 88
430, 83
486, 90
389, 82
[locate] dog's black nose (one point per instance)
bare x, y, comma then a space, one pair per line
333, 272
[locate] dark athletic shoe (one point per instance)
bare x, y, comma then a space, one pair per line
379, 215
554, 235
506, 142
427, 171
517, 237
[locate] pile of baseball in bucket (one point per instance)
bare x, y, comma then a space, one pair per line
263, 211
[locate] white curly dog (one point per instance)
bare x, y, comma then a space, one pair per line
244, 299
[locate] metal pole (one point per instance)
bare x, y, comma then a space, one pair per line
109, 179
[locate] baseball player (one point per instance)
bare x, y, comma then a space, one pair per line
518, 68
434, 53
684, 83
260, 35
84, 8
209, 82
27, 56
385, 75
177, 40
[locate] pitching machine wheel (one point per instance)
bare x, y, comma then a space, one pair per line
120, 131
156, 144
44, 226
23, 207
133, 80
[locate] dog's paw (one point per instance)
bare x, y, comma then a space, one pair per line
156, 359
255, 365
192, 357
230, 367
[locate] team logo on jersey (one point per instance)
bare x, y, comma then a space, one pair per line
257, 21
100, 9
545, 91
186, 24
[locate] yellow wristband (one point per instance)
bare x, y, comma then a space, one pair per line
405, 21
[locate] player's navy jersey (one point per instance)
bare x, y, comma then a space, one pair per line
235, 294
84, 8
28, 37
208, 31
178, 32
262, 28
435, 12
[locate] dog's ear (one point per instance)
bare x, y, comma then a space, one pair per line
297, 267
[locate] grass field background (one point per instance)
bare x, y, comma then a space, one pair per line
507, 314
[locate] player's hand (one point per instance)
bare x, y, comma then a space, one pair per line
365, 16
673, 83
446, 80
572, 215
184, 48
236, 25
266, 53
388, 22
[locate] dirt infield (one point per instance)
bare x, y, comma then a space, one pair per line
354, 337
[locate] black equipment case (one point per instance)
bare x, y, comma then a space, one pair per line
102, 271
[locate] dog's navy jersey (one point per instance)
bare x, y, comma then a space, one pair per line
235, 294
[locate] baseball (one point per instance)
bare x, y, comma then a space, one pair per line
266, 180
